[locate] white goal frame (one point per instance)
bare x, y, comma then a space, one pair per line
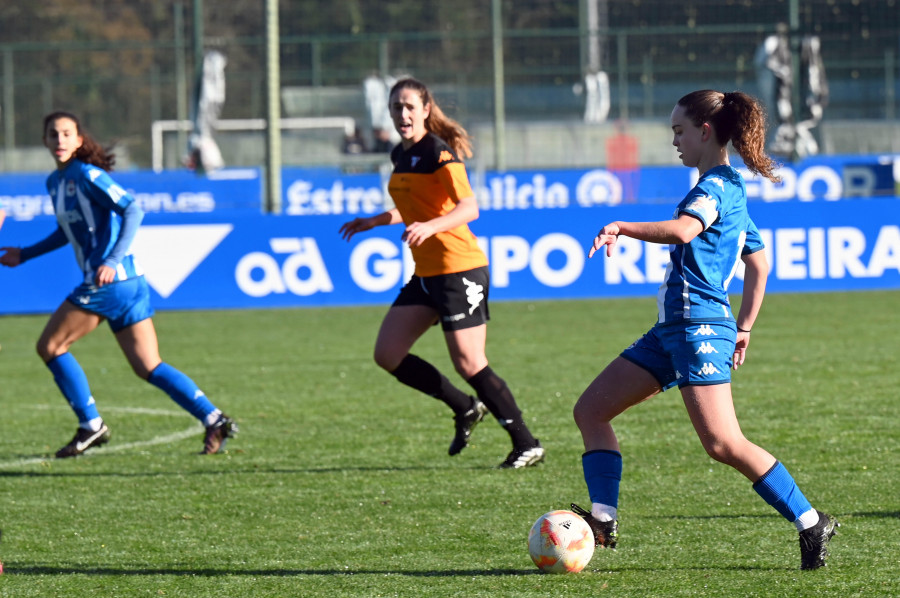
158, 127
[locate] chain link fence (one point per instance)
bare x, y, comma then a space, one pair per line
577, 64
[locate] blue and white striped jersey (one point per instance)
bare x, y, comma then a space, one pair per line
698, 274
89, 207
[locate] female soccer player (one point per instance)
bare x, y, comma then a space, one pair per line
696, 340
433, 199
99, 219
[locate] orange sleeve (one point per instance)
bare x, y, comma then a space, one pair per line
455, 180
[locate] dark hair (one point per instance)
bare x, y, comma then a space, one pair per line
90, 152
735, 117
437, 122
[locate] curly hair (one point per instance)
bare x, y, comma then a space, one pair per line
735, 117
90, 152
437, 122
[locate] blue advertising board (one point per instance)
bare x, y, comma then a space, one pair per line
25, 197
250, 260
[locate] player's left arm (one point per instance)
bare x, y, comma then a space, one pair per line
111, 195
755, 274
2, 216
456, 183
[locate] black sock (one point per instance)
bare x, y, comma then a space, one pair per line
424, 377
496, 395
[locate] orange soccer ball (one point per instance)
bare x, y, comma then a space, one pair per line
561, 542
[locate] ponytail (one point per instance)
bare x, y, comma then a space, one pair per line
735, 117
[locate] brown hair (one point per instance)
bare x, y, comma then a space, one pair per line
735, 117
90, 152
437, 122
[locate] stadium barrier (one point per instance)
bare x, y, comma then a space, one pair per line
234, 259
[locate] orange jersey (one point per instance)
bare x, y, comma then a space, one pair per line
428, 181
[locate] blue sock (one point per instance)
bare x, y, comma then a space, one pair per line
602, 473
779, 489
73, 383
182, 389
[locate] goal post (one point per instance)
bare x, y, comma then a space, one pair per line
345, 124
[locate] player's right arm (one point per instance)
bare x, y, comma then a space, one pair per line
17, 255
358, 225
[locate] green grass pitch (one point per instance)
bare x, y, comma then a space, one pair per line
339, 483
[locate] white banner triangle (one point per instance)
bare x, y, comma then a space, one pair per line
168, 254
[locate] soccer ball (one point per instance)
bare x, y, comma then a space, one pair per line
561, 542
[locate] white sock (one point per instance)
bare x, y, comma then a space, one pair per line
211, 418
602, 512
807, 520
92, 425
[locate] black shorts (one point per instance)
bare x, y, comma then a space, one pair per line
461, 299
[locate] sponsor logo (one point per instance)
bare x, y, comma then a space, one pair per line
474, 294
709, 369
445, 156
303, 273
414, 160
705, 348
706, 207
705, 330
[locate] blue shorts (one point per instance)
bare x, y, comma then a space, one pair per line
698, 353
122, 303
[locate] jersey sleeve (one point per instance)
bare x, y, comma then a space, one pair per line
455, 181
753, 242
105, 191
701, 205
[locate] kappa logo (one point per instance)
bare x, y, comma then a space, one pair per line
94, 173
706, 348
709, 369
718, 181
445, 156
705, 330
474, 293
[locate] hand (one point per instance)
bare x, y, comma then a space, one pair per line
104, 275
357, 225
740, 349
12, 257
608, 236
417, 233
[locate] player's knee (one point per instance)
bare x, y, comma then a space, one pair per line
586, 415
47, 350
720, 450
386, 360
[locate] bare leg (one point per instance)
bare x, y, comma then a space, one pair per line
621, 385
711, 410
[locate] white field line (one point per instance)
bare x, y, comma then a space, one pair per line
193, 430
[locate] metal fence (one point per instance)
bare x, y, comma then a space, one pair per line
649, 51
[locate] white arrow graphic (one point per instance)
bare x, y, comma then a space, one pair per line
168, 254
